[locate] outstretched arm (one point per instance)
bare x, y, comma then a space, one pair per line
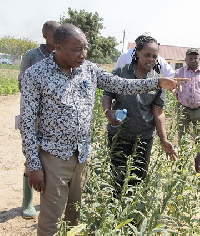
115, 84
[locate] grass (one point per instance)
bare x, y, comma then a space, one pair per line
9, 79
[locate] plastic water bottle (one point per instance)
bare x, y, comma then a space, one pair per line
120, 115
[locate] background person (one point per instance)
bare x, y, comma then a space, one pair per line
126, 58
145, 112
189, 97
30, 58
62, 89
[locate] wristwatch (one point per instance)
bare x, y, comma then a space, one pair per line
105, 111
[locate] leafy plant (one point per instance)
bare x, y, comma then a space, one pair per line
9, 79
16, 47
166, 203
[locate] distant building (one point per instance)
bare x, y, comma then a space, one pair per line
174, 55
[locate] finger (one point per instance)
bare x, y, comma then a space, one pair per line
39, 187
34, 186
42, 187
175, 154
30, 183
173, 91
173, 157
181, 79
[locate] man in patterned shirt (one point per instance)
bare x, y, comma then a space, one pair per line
61, 88
30, 58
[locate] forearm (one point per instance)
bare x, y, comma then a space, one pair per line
106, 102
159, 119
115, 84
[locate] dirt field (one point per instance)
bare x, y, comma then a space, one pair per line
11, 173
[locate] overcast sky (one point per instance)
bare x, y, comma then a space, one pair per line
171, 22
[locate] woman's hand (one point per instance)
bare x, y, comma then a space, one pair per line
110, 115
168, 148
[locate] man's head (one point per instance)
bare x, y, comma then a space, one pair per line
47, 30
70, 46
192, 58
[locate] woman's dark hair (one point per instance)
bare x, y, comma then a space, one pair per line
140, 45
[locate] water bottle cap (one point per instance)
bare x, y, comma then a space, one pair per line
125, 111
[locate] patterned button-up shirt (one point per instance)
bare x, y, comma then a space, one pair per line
190, 94
65, 104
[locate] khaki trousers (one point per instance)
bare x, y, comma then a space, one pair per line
64, 182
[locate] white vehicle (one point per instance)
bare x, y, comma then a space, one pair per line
5, 61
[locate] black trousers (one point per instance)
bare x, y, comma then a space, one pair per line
120, 149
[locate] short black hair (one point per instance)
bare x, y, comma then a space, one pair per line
50, 25
66, 31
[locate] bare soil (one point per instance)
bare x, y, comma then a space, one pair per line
11, 173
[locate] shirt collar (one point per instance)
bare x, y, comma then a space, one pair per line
53, 62
44, 51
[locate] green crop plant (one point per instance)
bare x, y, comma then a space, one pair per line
167, 202
9, 79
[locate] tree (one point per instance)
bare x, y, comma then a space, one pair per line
100, 48
16, 47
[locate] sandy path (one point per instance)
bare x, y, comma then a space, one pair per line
11, 173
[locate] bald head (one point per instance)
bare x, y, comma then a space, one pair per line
67, 31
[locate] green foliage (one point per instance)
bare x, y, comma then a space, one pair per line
9, 68
16, 47
166, 203
9, 79
101, 49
